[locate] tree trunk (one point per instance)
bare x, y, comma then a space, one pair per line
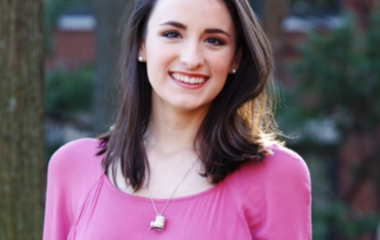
21, 120
108, 15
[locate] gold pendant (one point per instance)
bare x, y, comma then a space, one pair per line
158, 223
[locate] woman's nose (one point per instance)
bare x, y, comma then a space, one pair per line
191, 55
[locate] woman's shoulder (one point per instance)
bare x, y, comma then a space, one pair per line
281, 166
270, 192
284, 160
76, 157
73, 171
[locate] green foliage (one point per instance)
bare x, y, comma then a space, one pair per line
315, 3
342, 69
53, 8
339, 217
68, 93
337, 80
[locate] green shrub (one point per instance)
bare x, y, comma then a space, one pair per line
68, 93
338, 76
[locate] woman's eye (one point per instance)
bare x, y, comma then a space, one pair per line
171, 35
215, 41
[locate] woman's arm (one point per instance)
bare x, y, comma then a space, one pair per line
57, 211
274, 196
287, 213
73, 171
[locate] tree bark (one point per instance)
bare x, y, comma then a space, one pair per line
108, 15
21, 120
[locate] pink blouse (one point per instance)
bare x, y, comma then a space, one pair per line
270, 200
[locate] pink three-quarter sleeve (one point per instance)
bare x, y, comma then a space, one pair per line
277, 197
288, 212
58, 216
72, 172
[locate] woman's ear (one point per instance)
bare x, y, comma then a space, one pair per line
235, 62
142, 53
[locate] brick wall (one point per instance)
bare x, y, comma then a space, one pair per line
71, 50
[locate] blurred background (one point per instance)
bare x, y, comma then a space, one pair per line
328, 59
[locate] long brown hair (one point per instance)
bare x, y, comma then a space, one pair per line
237, 124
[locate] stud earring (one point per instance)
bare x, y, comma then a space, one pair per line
234, 71
140, 58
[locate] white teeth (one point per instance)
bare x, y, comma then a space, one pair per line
187, 79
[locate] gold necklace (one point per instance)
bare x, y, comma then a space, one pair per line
159, 222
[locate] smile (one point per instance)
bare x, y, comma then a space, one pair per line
187, 79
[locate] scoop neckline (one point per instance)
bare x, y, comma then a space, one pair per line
113, 188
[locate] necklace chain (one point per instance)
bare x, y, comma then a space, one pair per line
171, 196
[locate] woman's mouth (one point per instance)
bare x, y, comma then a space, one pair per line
188, 79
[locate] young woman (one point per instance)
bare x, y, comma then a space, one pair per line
192, 154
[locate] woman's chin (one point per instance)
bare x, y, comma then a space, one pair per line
188, 106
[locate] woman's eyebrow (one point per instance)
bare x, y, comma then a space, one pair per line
182, 26
174, 24
217, 30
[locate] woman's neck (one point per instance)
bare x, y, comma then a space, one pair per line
172, 129
169, 145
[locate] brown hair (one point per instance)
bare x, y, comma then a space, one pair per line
239, 119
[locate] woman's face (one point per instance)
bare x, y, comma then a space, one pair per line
189, 49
